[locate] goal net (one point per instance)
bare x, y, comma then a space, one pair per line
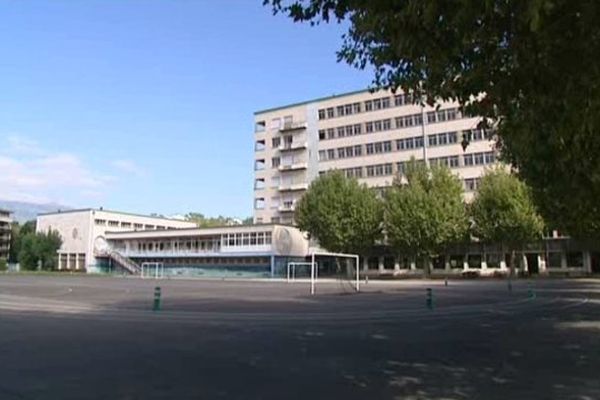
153, 270
338, 269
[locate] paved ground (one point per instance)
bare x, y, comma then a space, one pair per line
97, 338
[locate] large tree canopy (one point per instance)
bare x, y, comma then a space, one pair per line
426, 214
342, 215
535, 60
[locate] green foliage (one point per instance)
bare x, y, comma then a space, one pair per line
427, 213
210, 222
503, 211
17, 233
535, 60
3, 264
342, 215
39, 249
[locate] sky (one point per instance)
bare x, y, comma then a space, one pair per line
147, 106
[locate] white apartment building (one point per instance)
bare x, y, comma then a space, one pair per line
84, 232
368, 135
5, 231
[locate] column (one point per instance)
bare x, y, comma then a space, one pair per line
380, 265
396, 265
587, 262
68, 255
77, 261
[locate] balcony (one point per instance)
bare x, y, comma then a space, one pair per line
292, 126
293, 146
293, 167
290, 187
287, 206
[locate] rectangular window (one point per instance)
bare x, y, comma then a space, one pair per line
442, 139
321, 134
418, 118
349, 130
479, 159
377, 104
322, 113
387, 146
356, 108
431, 117
357, 129
432, 140
322, 155
370, 170
358, 150
401, 167
340, 111
409, 142
275, 142
369, 127
385, 102
330, 154
453, 161
341, 152
259, 126
399, 100
490, 158
275, 162
468, 160
387, 124
378, 148
348, 109
418, 142
377, 126
368, 105
369, 148
451, 114
275, 123
452, 137
341, 131
399, 122
387, 169
400, 144
330, 112
441, 116
330, 133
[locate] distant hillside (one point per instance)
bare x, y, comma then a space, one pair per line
23, 211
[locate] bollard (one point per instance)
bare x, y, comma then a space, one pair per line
530, 291
366, 278
429, 298
156, 305
445, 281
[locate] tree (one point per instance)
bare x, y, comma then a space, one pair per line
17, 233
341, 214
39, 249
503, 212
425, 214
535, 61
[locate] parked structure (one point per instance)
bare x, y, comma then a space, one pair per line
369, 136
5, 232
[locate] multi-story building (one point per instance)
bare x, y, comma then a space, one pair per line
5, 230
368, 135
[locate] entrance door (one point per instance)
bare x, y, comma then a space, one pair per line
532, 263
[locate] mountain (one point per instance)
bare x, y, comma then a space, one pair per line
23, 211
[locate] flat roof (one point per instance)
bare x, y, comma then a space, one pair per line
113, 212
334, 96
200, 231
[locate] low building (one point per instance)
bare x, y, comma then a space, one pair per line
81, 229
228, 251
5, 231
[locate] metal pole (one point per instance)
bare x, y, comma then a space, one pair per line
357, 274
312, 274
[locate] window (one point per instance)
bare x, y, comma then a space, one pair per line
387, 169
431, 117
348, 109
441, 116
259, 184
275, 181
259, 165
275, 202
113, 223
288, 121
471, 184
259, 203
387, 124
371, 170
575, 259
468, 160
387, 146
418, 142
398, 100
138, 226
409, 143
452, 137
401, 167
100, 222
341, 152
322, 155
378, 148
330, 113
259, 145
432, 140
356, 108
385, 102
490, 157
341, 131
275, 162
400, 144
126, 225
479, 159
322, 113
418, 119
368, 105
330, 133
275, 123
349, 130
321, 134
357, 129
275, 142
330, 154
377, 104
259, 126
453, 160
340, 111
377, 126
369, 147
369, 127
358, 150
451, 114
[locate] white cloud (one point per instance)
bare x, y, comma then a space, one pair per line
128, 166
30, 173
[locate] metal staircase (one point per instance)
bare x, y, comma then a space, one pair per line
124, 262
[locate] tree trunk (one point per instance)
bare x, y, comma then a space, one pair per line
512, 264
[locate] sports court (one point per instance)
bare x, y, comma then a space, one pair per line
82, 337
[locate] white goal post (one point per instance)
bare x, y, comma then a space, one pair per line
314, 272
154, 270
291, 269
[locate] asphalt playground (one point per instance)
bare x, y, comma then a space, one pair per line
83, 337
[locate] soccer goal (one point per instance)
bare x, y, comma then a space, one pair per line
299, 269
154, 270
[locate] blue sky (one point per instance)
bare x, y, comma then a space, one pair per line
147, 106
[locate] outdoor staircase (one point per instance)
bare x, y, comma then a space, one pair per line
124, 262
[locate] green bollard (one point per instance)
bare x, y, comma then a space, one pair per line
156, 305
530, 291
429, 299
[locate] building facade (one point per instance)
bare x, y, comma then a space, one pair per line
368, 135
83, 230
5, 232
